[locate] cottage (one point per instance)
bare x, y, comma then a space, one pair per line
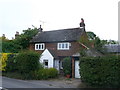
58, 44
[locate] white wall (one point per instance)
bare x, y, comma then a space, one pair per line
46, 55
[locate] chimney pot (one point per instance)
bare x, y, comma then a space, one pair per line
82, 24
40, 29
17, 34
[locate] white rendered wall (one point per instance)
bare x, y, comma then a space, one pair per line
46, 55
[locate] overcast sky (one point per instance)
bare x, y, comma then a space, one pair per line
101, 16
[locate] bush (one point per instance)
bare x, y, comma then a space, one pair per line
3, 59
11, 63
27, 61
46, 73
101, 71
52, 72
67, 66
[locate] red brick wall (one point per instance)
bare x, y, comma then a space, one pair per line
73, 67
74, 48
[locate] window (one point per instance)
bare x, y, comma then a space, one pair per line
40, 46
45, 63
63, 46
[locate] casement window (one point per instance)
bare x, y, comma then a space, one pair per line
40, 46
45, 63
63, 46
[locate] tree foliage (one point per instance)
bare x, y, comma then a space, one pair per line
96, 41
24, 39
91, 35
18, 44
91, 40
67, 65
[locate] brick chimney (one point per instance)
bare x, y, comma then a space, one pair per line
40, 29
17, 34
82, 24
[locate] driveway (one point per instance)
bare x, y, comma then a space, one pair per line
53, 83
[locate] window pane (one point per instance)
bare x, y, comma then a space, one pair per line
62, 45
59, 45
66, 45
36, 46
41, 46
46, 63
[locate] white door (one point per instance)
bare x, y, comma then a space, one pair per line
77, 74
57, 64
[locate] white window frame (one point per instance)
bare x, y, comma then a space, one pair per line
62, 46
39, 46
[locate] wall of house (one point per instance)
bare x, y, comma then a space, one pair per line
74, 48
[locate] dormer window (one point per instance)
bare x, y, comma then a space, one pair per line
39, 46
63, 46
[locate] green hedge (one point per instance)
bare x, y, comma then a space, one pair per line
27, 61
67, 66
11, 63
26, 65
46, 73
101, 71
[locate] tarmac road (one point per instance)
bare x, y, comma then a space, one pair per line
16, 83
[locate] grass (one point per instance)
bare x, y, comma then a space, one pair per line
12, 75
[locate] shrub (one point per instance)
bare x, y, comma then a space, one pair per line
46, 73
101, 71
52, 72
11, 63
3, 59
67, 66
27, 61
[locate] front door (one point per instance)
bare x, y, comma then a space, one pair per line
77, 74
56, 64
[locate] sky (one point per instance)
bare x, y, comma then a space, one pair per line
100, 16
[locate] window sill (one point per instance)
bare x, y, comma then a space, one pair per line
39, 49
63, 49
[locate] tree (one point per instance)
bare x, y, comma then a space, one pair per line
8, 46
24, 39
91, 35
18, 44
112, 42
92, 41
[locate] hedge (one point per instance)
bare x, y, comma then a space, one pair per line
3, 59
46, 73
11, 63
26, 65
27, 61
67, 66
101, 71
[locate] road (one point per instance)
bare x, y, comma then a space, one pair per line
16, 83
